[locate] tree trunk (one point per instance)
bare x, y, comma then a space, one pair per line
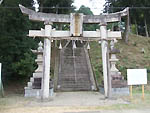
41, 5
146, 30
127, 29
136, 28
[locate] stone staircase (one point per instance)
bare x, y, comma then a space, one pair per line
75, 74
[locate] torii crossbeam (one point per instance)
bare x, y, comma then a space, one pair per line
75, 33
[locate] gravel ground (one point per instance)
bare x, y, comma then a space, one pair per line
69, 102
79, 99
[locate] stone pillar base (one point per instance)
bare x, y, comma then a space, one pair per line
31, 90
117, 91
36, 92
118, 80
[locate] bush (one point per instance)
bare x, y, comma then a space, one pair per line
26, 66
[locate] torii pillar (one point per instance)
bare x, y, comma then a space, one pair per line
105, 62
46, 60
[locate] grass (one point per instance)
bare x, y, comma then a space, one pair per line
130, 56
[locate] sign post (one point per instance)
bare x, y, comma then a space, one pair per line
137, 77
143, 92
131, 92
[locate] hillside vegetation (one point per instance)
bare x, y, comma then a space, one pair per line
135, 54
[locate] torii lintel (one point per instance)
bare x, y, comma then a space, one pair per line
64, 18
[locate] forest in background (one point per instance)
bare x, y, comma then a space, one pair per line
139, 14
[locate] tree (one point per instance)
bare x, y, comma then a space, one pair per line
56, 6
87, 11
138, 13
14, 44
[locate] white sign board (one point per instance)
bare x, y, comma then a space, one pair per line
137, 76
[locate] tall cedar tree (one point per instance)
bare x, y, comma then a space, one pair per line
15, 55
138, 16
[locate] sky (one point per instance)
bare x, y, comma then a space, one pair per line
96, 6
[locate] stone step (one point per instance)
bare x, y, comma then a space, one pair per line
81, 68
74, 73
75, 86
75, 79
75, 89
74, 82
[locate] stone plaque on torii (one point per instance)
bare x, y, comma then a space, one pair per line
76, 32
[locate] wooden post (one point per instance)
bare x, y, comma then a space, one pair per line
46, 61
104, 47
143, 92
131, 92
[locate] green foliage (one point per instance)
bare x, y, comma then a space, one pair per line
55, 4
15, 54
86, 11
137, 15
130, 57
14, 44
96, 61
25, 66
133, 28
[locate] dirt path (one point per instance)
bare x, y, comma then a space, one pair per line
72, 102
79, 99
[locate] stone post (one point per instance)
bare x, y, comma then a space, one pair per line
46, 60
104, 46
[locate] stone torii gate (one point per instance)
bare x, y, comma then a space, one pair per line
76, 32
